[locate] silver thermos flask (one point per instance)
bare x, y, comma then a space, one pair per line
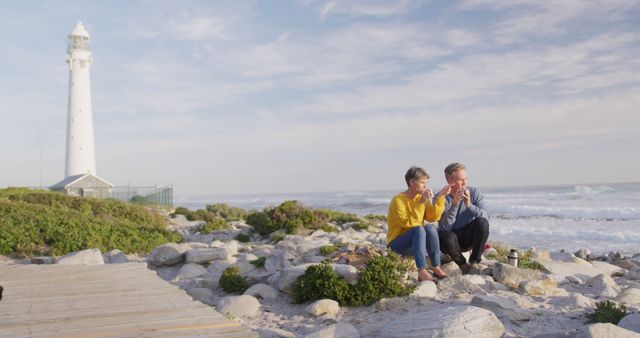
512, 259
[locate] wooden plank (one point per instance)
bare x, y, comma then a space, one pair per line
115, 300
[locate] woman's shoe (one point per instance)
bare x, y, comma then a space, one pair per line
438, 272
424, 275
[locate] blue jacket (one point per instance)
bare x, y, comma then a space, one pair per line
457, 216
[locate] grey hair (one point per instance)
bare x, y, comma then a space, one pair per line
415, 173
451, 168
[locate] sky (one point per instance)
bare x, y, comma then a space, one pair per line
244, 97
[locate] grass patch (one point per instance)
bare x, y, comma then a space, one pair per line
607, 312
339, 217
50, 223
244, 238
328, 249
525, 258
259, 263
212, 212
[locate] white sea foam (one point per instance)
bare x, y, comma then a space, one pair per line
598, 217
566, 212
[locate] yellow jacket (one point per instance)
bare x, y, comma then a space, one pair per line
405, 213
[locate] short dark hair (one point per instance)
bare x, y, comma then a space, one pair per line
414, 173
455, 166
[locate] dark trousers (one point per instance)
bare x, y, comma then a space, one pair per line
472, 236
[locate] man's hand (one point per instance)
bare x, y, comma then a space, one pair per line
466, 196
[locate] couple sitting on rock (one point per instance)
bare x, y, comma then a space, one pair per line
461, 215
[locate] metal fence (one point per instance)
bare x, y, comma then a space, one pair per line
154, 195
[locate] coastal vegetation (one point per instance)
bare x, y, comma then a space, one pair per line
48, 223
525, 258
232, 282
212, 212
383, 277
607, 312
259, 262
293, 217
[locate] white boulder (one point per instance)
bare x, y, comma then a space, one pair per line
631, 322
263, 291
239, 306
201, 294
385, 304
277, 262
205, 255
168, 254
426, 289
512, 276
115, 256
191, 270
323, 307
83, 257
630, 296
284, 280
604, 285
606, 330
503, 307
453, 321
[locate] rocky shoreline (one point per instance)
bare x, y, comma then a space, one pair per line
496, 301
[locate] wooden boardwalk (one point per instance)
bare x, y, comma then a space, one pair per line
113, 300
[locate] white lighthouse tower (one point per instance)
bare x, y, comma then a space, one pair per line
81, 156
80, 165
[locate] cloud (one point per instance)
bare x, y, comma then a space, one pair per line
199, 28
374, 8
527, 18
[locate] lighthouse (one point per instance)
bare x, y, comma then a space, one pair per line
81, 156
80, 164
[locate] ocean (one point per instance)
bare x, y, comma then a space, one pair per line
598, 217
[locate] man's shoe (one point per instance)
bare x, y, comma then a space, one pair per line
475, 269
465, 268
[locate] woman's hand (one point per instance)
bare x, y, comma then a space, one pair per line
427, 195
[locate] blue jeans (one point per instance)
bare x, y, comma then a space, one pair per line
419, 240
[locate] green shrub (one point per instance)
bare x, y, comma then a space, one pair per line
379, 218
327, 249
360, 226
232, 282
224, 211
259, 263
607, 312
525, 258
617, 274
290, 215
181, 211
319, 282
216, 224
277, 237
339, 217
383, 277
48, 223
243, 238
329, 228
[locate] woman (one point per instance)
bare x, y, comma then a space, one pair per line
407, 212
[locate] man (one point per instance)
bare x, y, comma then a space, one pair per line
407, 233
464, 225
